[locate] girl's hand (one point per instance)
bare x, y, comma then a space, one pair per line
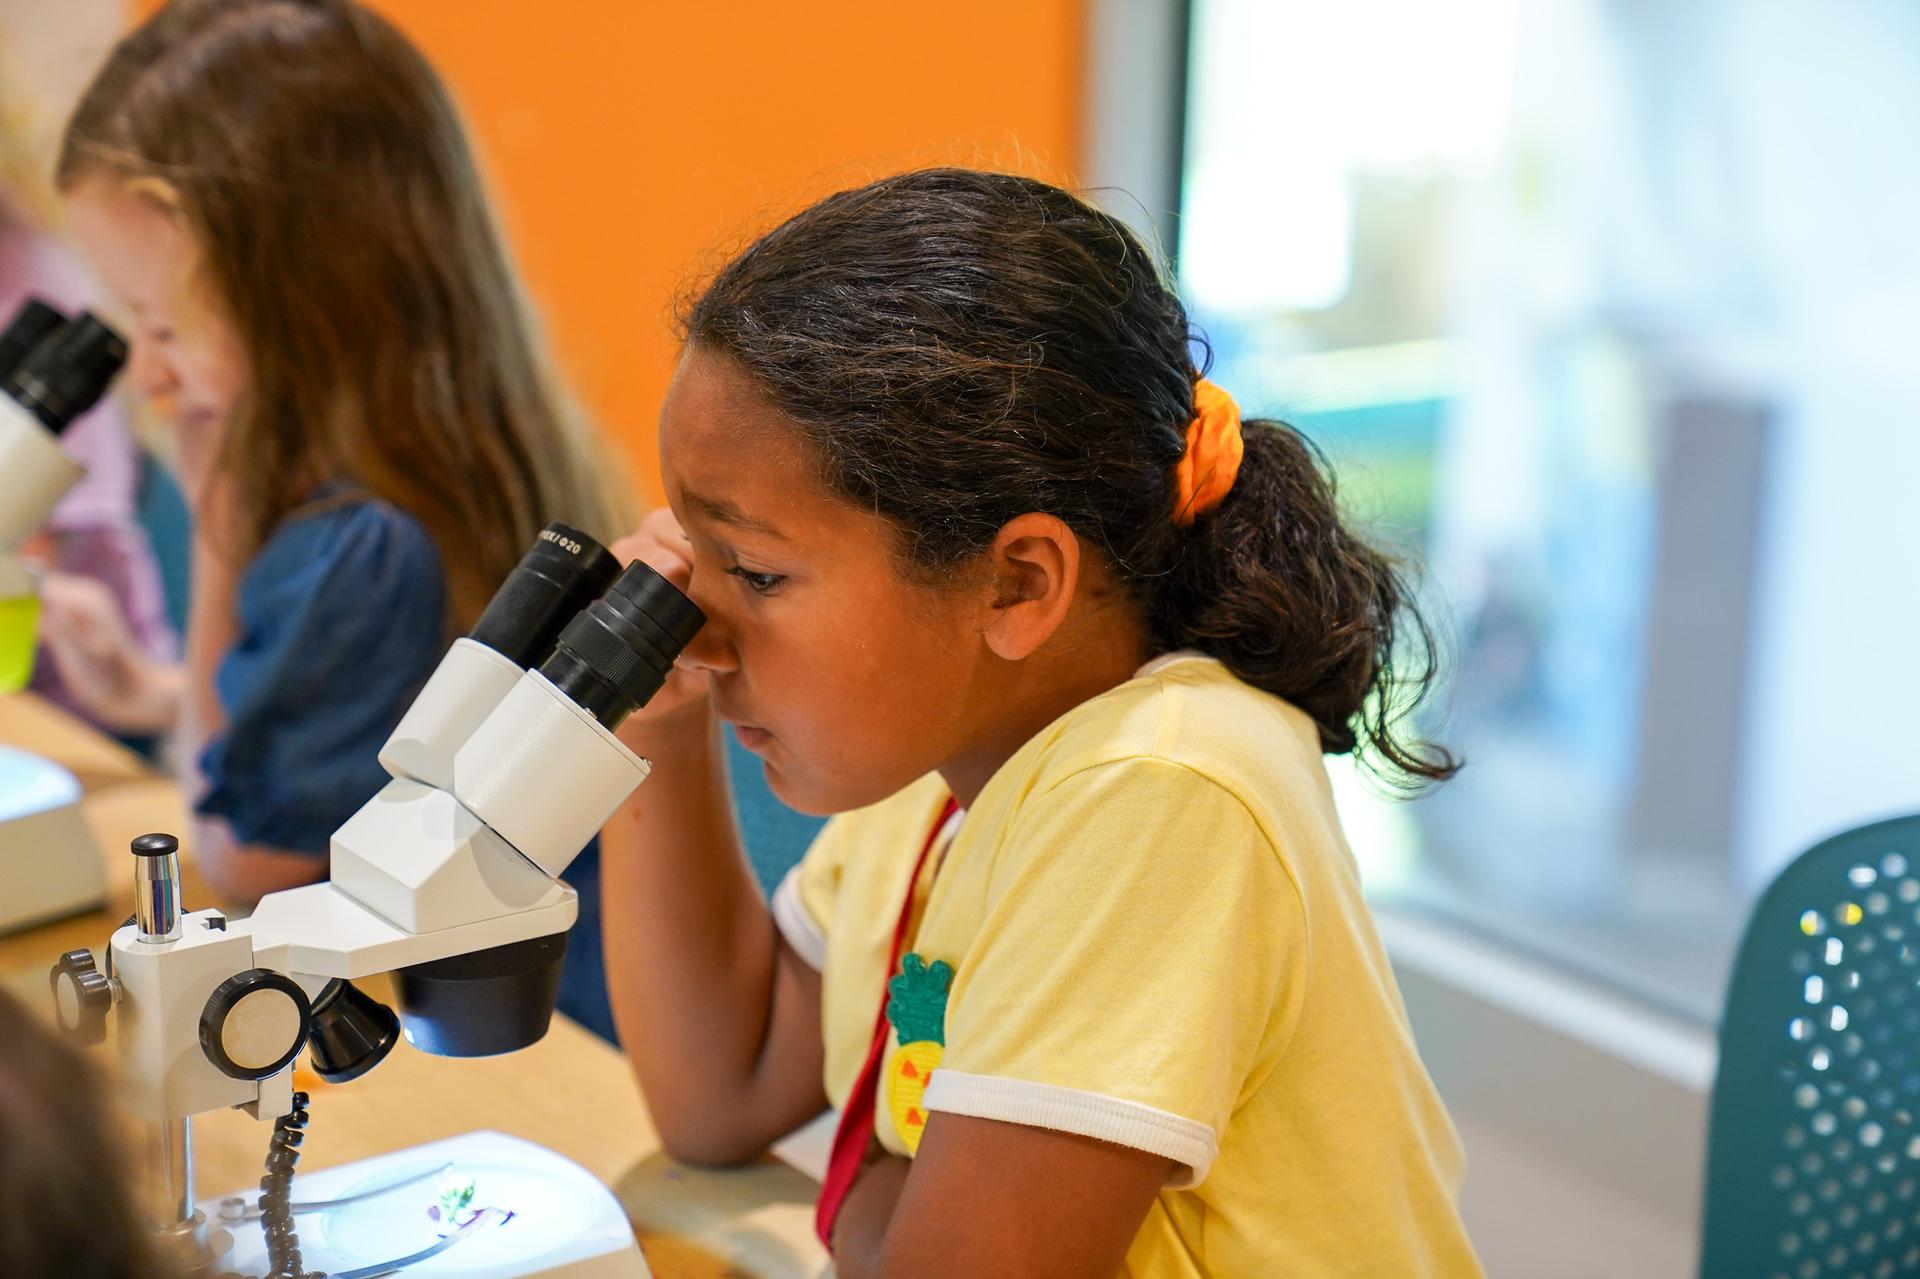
683, 703
100, 661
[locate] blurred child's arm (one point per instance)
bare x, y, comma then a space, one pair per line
236, 871
242, 873
719, 1015
211, 630
991, 1198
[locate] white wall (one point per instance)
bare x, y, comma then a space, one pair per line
1584, 1115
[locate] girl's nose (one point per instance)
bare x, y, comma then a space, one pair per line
713, 648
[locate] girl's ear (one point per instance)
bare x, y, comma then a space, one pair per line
1033, 569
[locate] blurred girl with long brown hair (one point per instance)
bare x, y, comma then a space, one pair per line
319, 303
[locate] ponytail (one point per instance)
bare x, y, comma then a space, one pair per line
1275, 585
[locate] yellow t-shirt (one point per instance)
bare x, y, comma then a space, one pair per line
1155, 936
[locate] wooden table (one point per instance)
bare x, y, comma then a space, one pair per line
571, 1092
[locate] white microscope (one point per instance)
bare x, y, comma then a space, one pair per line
503, 768
52, 370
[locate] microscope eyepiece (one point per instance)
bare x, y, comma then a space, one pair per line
28, 328
563, 572
618, 652
67, 372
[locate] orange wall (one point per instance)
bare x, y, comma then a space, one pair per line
632, 143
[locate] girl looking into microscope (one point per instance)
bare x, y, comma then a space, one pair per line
1013, 592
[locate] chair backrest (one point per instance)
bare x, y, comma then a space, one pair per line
775, 836
1813, 1163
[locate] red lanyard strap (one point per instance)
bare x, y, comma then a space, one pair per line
851, 1138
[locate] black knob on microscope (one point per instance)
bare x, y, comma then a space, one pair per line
254, 1023
82, 997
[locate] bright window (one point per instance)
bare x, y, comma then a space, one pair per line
1609, 311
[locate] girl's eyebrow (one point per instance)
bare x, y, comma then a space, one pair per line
721, 511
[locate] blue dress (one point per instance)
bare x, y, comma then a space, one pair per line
342, 617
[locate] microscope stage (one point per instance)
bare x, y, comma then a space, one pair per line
549, 1217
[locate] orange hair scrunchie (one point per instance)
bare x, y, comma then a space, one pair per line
1214, 448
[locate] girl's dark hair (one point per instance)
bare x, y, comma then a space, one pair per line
66, 1205
965, 347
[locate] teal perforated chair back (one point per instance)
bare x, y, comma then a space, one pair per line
1813, 1156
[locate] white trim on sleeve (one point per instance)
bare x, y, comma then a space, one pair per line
796, 922
1189, 1143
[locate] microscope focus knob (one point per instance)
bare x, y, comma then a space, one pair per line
254, 1023
82, 997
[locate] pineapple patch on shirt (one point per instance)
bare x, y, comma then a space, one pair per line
917, 1008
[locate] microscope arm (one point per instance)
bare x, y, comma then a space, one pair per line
416, 879
310, 935
320, 932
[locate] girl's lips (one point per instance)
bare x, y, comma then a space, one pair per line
751, 736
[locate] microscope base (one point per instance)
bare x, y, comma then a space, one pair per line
563, 1224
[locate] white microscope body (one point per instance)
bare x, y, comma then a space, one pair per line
446, 879
51, 371
34, 472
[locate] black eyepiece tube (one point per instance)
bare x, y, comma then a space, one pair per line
563, 573
68, 371
618, 652
28, 328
